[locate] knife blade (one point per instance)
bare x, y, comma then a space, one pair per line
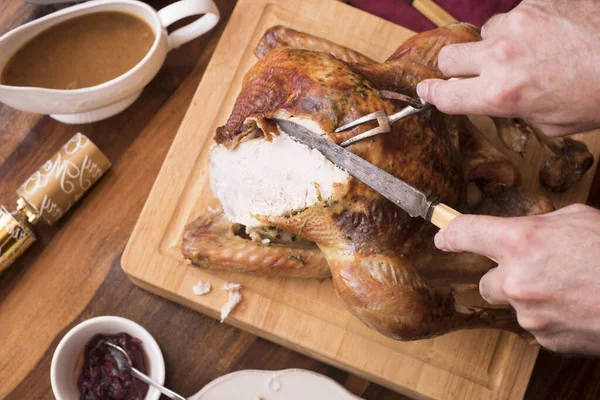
410, 199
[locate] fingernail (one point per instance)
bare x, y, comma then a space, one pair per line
423, 89
439, 241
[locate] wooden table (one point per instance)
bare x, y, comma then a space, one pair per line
73, 272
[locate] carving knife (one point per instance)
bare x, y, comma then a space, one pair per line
410, 199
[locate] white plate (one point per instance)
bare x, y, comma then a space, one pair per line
289, 384
50, 1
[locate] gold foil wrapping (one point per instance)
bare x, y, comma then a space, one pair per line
63, 179
15, 237
49, 193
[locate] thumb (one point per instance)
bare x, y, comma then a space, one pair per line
455, 96
475, 234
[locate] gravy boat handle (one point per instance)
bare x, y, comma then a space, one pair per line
186, 8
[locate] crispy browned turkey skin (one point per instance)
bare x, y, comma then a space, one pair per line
382, 261
416, 60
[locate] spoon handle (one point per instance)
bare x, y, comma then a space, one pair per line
142, 377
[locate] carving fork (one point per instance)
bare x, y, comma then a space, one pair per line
384, 121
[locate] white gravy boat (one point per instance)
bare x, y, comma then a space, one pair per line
98, 102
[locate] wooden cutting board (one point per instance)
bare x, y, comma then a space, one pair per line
306, 315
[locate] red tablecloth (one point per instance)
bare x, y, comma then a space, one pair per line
402, 13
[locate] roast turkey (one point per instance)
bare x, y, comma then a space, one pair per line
288, 211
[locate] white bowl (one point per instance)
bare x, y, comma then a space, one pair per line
63, 375
109, 98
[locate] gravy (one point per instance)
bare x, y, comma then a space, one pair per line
81, 52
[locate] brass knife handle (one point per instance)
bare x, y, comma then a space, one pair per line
442, 215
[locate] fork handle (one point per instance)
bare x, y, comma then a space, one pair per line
407, 112
443, 214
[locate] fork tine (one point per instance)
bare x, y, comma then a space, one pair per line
369, 117
373, 132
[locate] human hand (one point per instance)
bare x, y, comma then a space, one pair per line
538, 62
548, 271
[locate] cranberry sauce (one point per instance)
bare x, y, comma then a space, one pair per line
101, 378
